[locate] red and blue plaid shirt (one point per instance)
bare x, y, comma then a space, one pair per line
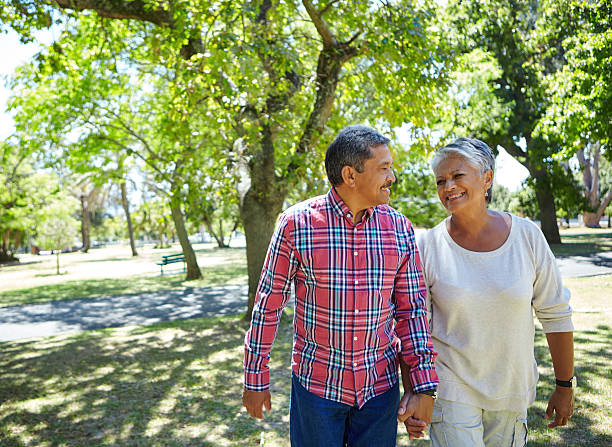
359, 295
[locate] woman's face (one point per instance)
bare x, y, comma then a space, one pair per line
460, 183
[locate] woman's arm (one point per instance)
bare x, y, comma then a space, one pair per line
561, 402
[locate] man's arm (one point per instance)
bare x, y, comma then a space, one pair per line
412, 412
272, 295
417, 353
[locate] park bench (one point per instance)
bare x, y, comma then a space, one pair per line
171, 259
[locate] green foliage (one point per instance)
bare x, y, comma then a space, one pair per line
581, 91
414, 193
153, 219
503, 200
25, 17
106, 228
569, 201
57, 229
26, 196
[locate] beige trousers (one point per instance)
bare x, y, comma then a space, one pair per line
459, 425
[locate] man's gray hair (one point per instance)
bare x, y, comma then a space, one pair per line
351, 148
476, 152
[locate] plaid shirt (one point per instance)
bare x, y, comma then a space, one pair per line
359, 291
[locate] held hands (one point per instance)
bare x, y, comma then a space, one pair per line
561, 403
255, 401
415, 412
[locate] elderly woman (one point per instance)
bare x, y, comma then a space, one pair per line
486, 272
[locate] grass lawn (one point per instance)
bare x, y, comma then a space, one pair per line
179, 384
580, 241
219, 266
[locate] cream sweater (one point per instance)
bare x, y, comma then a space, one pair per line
481, 316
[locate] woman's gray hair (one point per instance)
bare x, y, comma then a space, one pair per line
476, 152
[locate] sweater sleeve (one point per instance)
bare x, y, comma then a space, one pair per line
550, 299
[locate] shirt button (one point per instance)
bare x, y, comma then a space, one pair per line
355, 364
355, 253
356, 281
356, 311
355, 338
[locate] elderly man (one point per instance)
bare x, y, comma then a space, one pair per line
360, 301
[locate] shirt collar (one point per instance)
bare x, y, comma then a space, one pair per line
341, 209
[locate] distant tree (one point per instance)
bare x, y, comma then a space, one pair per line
267, 75
414, 193
23, 193
57, 229
153, 218
501, 198
597, 188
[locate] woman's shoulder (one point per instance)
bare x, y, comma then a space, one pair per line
430, 237
526, 226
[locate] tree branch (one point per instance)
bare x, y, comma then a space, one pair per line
329, 41
326, 7
122, 9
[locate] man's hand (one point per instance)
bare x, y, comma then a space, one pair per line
415, 412
561, 403
255, 401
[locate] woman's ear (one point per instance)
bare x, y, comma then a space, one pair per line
488, 177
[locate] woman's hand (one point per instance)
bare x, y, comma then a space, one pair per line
561, 404
415, 412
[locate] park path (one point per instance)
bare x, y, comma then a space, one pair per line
60, 317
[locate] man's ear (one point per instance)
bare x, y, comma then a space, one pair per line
348, 175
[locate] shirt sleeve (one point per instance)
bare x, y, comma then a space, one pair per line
550, 299
273, 292
411, 316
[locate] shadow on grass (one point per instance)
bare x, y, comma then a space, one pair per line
90, 288
169, 384
583, 244
179, 384
592, 367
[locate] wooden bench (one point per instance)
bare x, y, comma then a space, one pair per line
171, 259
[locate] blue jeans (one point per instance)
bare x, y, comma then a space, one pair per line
319, 422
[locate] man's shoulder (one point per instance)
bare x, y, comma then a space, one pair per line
388, 212
306, 207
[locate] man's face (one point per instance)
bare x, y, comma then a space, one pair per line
374, 183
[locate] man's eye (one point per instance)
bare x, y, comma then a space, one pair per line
440, 182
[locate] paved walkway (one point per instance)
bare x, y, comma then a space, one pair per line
60, 317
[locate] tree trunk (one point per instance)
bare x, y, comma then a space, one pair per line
591, 219
259, 219
5, 241
546, 203
126, 209
85, 224
218, 237
193, 270
57, 261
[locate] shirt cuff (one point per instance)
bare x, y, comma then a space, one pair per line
257, 381
557, 326
423, 378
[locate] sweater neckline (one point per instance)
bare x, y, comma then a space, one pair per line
495, 252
